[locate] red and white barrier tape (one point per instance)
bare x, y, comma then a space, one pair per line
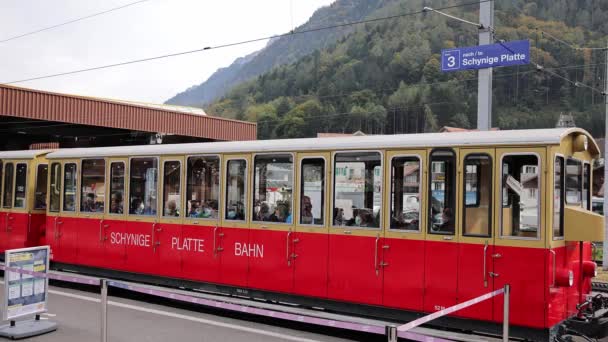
447, 311
54, 276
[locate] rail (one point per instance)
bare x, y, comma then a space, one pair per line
392, 332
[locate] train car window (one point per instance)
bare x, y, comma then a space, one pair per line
558, 198
236, 182
42, 178
574, 181
93, 188
273, 188
1, 182
442, 197
172, 194
312, 191
55, 188
521, 184
69, 190
357, 189
477, 213
405, 193
203, 187
7, 196
586, 185
20, 186
143, 185
117, 188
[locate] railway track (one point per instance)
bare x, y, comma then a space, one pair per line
599, 286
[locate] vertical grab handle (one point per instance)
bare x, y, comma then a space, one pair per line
288, 258
554, 266
376, 254
29, 223
153, 235
214, 242
485, 258
100, 228
55, 226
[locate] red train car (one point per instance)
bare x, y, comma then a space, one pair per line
382, 225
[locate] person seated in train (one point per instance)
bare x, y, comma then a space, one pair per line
89, 203
338, 216
263, 212
279, 214
137, 206
116, 203
171, 209
150, 208
306, 216
447, 219
206, 211
353, 220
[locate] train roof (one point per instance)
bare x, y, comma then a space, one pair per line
551, 136
23, 154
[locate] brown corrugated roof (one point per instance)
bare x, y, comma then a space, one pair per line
43, 105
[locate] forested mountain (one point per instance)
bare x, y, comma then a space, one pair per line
279, 51
384, 77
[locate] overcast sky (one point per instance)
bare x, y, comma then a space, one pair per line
147, 29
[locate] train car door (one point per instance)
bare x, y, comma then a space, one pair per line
7, 202
403, 247
114, 227
520, 257
53, 212
169, 243
69, 224
91, 219
142, 221
201, 261
19, 216
476, 246
441, 250
355, 239
309, 249
234, 247
272, 228
39, 204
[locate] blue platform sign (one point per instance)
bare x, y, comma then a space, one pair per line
486, 56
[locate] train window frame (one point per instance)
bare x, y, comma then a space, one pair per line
253, 189
128, 174
333, 190
478, 205
580, 180
420, 192
560, 228
64, 189
163, 189
24, 206
109, 185
1, 181
46, 187
323, 192
454, 175
59, 177
245, 189
587, 176
12, 184
82, 161
186, 184
539, 232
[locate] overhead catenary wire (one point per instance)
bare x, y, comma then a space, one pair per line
248, 41
70, 21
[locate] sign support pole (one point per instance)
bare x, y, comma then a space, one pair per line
484, 93
605, 244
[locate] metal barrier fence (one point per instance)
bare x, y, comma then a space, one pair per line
391, 332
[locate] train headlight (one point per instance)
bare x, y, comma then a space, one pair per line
564, 278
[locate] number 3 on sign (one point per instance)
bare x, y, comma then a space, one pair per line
451, 61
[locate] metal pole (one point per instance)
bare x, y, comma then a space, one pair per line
505, 314
484, 83
605, 245
391, 333
104, 310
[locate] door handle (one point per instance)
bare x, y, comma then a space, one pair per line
494, 275
485, 274
153, 237
214, 245
376, 254
554, 266
29, 223
100, 230
288, 256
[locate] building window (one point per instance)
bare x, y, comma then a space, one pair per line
520, 184
236, 181
7, 196
117, 188
558, 198
55, 188
405, 193
273, 188
477, 213
203, 187
69, 190
172, 202
574, 181
93, 188
358, 197
442, 198
143, 185
42, 178
312, 191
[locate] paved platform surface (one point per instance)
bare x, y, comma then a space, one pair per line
78, 316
